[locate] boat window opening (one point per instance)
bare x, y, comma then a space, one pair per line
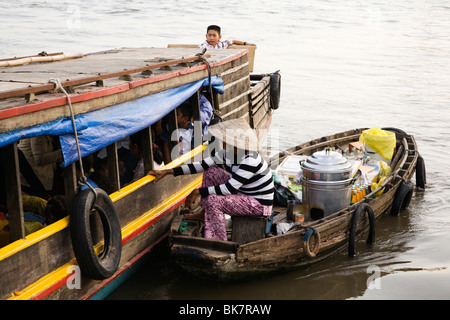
185, 126
12, 194
171, 152
213, 98
196, 118
22, 213
145, 151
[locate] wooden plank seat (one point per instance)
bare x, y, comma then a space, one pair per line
248, 228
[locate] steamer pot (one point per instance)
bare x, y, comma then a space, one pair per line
326, 183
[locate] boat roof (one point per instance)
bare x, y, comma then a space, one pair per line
25, 88
128, 98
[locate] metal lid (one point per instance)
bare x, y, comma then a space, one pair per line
327, 161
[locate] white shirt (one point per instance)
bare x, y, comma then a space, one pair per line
219, 45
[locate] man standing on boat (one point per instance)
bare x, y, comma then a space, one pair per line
244, 188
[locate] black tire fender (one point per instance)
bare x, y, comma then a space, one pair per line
421, 175
360, 209
311, 232
402, 197
106, 264
275, 90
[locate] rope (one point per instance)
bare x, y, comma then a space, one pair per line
58, 87
208, 66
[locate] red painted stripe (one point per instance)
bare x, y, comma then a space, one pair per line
60, 101
41, 295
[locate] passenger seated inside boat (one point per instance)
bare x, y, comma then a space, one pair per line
127, 161
244, 188
95, 178
186, 137
37, 212
206, 113
186, 134
137, 150
38, 159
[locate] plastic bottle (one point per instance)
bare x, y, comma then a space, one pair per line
354, 200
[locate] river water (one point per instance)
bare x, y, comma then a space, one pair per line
344, 64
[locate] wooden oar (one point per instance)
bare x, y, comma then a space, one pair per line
48, 58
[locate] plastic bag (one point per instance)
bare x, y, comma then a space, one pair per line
385, 171
381, 141
282, 195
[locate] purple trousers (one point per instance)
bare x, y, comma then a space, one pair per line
216, 206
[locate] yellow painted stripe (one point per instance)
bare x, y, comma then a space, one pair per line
162, 207
48, 280
48, 231
147, 179
44, 283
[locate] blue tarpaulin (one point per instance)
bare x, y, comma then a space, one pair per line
98, 129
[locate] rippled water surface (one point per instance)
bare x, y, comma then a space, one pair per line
344, 64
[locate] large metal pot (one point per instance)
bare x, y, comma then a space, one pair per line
326, 197
326, 183
326, 165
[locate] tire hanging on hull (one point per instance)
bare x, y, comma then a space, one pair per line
275, 90
421, 175
106, 264
361, 208
402, 197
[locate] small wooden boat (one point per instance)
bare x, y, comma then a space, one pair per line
313, 240
106, 97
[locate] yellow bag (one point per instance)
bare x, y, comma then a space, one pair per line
385, 171
380, 141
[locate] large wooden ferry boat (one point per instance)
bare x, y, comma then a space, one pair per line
91, 103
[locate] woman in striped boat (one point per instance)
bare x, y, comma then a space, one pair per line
244, 188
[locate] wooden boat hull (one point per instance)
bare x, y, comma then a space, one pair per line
226, 260
45, 260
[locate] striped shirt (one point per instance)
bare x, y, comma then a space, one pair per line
250, 177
